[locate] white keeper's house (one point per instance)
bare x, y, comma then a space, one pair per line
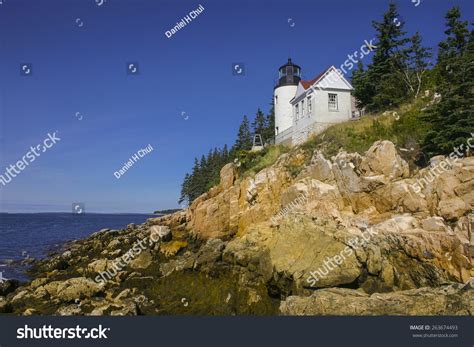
303, 108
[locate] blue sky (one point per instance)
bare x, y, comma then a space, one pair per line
83, 69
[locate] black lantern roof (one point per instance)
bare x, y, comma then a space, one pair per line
288, 74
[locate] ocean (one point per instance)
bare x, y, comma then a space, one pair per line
34, 235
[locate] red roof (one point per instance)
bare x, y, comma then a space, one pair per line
307, 84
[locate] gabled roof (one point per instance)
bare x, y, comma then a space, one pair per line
308, 84
304, 86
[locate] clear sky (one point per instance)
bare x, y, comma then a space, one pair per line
185, 99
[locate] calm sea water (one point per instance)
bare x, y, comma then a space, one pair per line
24, 235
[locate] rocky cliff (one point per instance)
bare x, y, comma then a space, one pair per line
351, 234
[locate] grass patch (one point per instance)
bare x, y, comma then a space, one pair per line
253, 162
403, 126
405, 129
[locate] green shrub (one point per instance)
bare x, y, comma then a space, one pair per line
253, 162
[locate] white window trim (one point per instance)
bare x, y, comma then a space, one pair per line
309, 104
336, 109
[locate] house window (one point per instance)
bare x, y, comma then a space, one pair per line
332, 102
310, 106
302, 108
297, 110
276, 99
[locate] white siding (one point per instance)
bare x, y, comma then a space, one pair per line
283, 108
333, 81
321, 117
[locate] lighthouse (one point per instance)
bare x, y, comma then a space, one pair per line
289, 75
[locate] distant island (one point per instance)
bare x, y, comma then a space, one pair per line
169, 211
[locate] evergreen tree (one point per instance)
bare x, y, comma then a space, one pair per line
363, 88
380, 86
412, 63
184, 190
244, 137
452, 118
203, 173
193, 187
269, 132
224, 156
388, 90
258, 124
457, 36
390, 37
450, 50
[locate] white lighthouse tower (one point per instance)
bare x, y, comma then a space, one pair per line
289, 75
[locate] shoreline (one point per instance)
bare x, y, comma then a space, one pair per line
17, 266
225, 255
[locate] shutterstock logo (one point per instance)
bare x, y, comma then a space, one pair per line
48, 332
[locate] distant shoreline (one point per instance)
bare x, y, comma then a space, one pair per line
108, 213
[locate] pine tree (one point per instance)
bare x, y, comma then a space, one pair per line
224, 156
203, 174
258, 124
412, 63
269, 132
244, 137
452, 118
379, 86
184, 197
390, 37
457, 36
450, 50
193, 187
363, 88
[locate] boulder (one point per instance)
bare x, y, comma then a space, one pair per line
70, 310
320, 168
21, 296
400, 196
452, 209
298, 249
295, 194
160, 233
30, 312
397, 224
143, 261
40, 293
434, 224
51, 287
38, 282
171, 248
113, 244
100, 265
382, 159
466, 173
5, 307
228, 176
77, 288
445, 184
127, 308
443, 301
461, 230
184, 262
8, 286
